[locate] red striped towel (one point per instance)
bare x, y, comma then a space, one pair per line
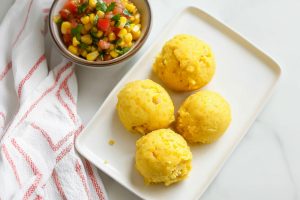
38, 116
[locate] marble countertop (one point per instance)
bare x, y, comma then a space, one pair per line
266, 164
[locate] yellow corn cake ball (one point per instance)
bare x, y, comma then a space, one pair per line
185, 63
203, 117
163, 156
144, 106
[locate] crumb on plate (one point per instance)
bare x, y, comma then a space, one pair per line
111, 142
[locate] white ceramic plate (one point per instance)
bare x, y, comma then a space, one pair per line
245, 76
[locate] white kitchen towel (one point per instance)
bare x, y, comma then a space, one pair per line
38, 116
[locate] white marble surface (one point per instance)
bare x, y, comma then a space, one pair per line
266, 164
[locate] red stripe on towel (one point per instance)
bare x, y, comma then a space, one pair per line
53, 146
62, 70
30, 73
58, 185
94, 180
69, 94
5, 71
82, 178
11, 163
46, 10
2, 115
64, 152
64, 104
24, 24
33, 167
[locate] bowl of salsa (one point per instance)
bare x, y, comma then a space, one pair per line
99, 33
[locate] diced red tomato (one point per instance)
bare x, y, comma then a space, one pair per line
108, 1
103, 44
71, 6
67, 39
64, 13
120, 5
108, 15
103, 24
115, 30
108, 31
117, 10
107, 57
73, 23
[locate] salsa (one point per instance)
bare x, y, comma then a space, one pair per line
99, 29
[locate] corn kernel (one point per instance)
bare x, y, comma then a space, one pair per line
132, 18
130, 7
136, 28
114, 54
136, 35
93, 48
137, 19
130, 27
89, 49
56, 18
94, 29
136, 32
92, 56
75, 42
111, 47
100, 14
85, 19
122, 22
111, 36
84, 31
122, 44
92, 17
99, 34
87, 39
73, 50
128, 37
122, 33
128, 44
88, 26
65, 27
92, 3
83, 53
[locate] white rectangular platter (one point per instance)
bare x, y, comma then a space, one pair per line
245, 76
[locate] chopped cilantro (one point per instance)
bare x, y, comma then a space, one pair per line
95, 41
128, 23
101, 55
100, 5
122, 51
82, 8
95, 20
83, 46
116, 17
111, 7
94, 34
119, 41
76, 31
